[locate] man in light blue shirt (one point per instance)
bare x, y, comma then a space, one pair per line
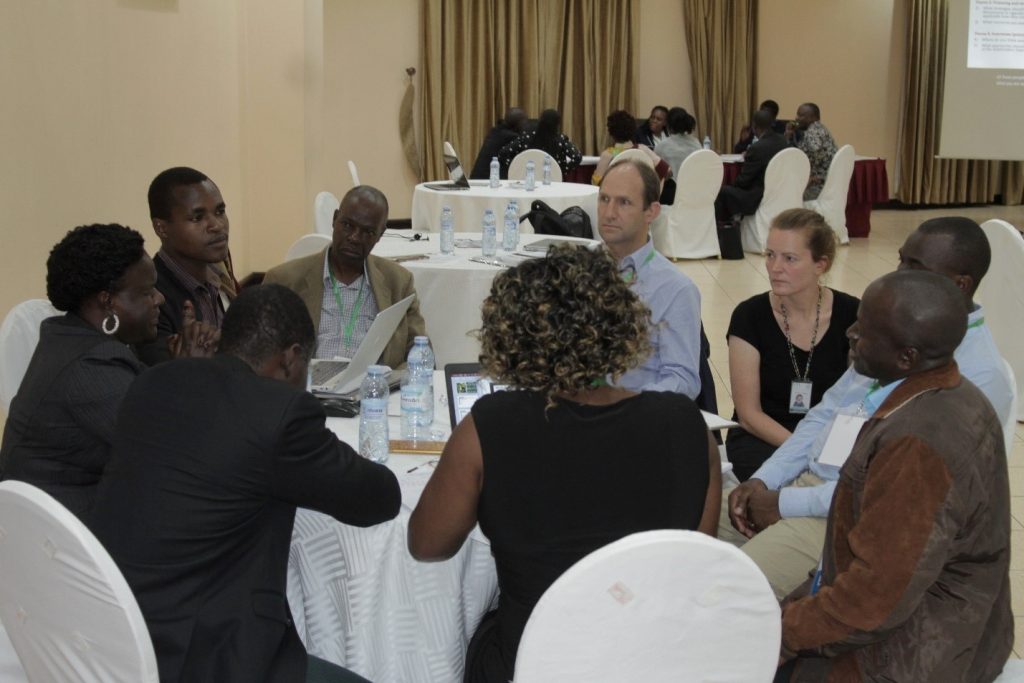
627, 204
783, 507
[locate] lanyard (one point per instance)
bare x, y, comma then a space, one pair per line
875, 386
977, 323
814, 338
629, 275
351, 326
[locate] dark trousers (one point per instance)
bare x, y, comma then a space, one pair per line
732, 200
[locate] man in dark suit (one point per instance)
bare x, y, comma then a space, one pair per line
744, 195
193, 264
503, 133
211, 457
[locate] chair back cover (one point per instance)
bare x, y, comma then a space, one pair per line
324, 207
354, 173
517, 169
687, 227
306, 245
654, 606
831, 203
1001, 292
1010, 425
68, 611
19, 335
784, 183
635, 154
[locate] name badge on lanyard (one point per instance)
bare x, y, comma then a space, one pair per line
841, 438
799, 396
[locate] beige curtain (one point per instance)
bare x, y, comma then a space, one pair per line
721, 42
482, 56
923, 179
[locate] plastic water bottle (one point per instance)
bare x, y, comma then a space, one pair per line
495, 172
418, 391
447, 230
707, 142
510, 235
531, 175
373, 414
489, 242
547, 169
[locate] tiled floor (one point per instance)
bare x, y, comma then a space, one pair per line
723, 284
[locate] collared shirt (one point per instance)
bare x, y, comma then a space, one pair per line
818, 145
979, 361
357, 298
206, 295
675, 324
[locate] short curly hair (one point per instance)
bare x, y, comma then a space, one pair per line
560, 323
90, 259
621, 125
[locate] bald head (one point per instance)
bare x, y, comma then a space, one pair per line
953, 246
515, 119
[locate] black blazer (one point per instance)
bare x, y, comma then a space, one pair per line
196, 507
755, 163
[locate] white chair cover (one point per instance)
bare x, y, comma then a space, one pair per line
1013, 672
65, 605
784, 183
306, 245
324, 207
687, 228
636, 154
354, 173
517, 169
19, 335
1010, 426
655, 606
1002, 293
831, 203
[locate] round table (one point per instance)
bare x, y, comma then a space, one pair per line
450, 288
468, 205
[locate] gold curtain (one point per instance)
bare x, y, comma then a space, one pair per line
721, 43
482, 56
923, 179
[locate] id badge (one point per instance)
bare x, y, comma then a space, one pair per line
799, 396
841, 438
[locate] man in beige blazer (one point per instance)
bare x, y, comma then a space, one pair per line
344, 286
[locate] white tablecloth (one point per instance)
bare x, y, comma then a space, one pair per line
360, 600
468, 205
450, 289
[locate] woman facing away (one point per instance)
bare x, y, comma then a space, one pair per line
620, 128
561, 464
547, 138
61, 423
788, 345
680, 142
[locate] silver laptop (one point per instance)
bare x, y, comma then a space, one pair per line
342, 376
455, 172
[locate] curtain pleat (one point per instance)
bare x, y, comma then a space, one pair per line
924, 179
721, 42
482, 56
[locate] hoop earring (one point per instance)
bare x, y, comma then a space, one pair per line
117, 324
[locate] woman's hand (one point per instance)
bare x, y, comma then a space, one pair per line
196, 339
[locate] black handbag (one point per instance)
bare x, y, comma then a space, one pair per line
573, 222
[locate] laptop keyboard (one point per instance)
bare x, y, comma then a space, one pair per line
324, 370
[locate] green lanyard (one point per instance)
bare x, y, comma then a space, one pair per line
630, 275
346, 339
977, 323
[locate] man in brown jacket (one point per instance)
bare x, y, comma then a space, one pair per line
914, 582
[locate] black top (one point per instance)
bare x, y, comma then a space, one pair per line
754, 322
561, 484
563, 151
495, 140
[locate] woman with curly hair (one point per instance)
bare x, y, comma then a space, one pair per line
620, 127
563, 463
61, 423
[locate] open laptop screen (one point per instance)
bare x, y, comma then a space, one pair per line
465, 385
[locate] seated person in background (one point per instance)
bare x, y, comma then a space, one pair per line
61, 423
344, 286
744, 195
809, 135
914, 580
503, 133
199, 519
782, 508
613, 462
620, 128
788, 342
193, 264
627, 204
747, 133
652, 131
546, 138
680, 142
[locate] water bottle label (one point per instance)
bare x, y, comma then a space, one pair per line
374, 408
416, 398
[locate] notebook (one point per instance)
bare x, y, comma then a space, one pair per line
464, 384
343, 376
455, 172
